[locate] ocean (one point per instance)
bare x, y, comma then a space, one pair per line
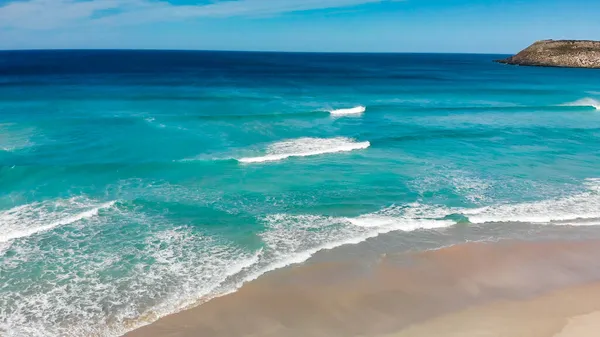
135, 184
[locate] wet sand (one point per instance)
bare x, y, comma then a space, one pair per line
511, 288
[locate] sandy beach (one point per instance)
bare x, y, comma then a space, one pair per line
571, 312
509, 288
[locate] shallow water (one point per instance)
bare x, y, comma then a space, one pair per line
135, 184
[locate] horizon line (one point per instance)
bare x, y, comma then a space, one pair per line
246, 51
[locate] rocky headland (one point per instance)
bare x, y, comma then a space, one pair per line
559, 53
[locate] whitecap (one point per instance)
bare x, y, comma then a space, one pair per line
351, 111
585, 102
304, 147
26, 220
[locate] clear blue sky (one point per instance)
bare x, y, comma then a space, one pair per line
482, 26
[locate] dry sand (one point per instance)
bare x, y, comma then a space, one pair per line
572, 312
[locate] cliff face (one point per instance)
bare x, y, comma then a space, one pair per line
561, 53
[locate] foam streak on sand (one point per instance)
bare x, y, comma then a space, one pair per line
304, 147
26, 220
352, 111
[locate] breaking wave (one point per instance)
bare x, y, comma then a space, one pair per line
303, 147
27, 220
570, 210
585, 102
352, 111
166, 269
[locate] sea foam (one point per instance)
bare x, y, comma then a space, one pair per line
291, 239
585, 102
351, 111
187, 269
190, 268
176, 268
27, 220
582, 207
303, 147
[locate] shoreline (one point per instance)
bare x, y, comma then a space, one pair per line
396, 295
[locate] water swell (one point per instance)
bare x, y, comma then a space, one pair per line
242, 117
14, 138
261, 116
507, 108
433, 134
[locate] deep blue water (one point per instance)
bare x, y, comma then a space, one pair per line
136, 183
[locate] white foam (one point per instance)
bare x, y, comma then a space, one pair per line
293, 239
593, 184
198, 278
581, 206
169, 268
26, 220
304, 147
585, 102
351, 111
469, 186
113, 282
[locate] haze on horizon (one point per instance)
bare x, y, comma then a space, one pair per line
477, 26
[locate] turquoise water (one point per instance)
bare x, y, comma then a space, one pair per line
136, 184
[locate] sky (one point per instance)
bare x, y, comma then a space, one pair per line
469, 26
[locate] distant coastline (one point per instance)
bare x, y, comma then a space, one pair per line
558, 53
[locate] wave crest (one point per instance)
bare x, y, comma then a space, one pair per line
585, 102
352, 111
304, 147
26, 220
